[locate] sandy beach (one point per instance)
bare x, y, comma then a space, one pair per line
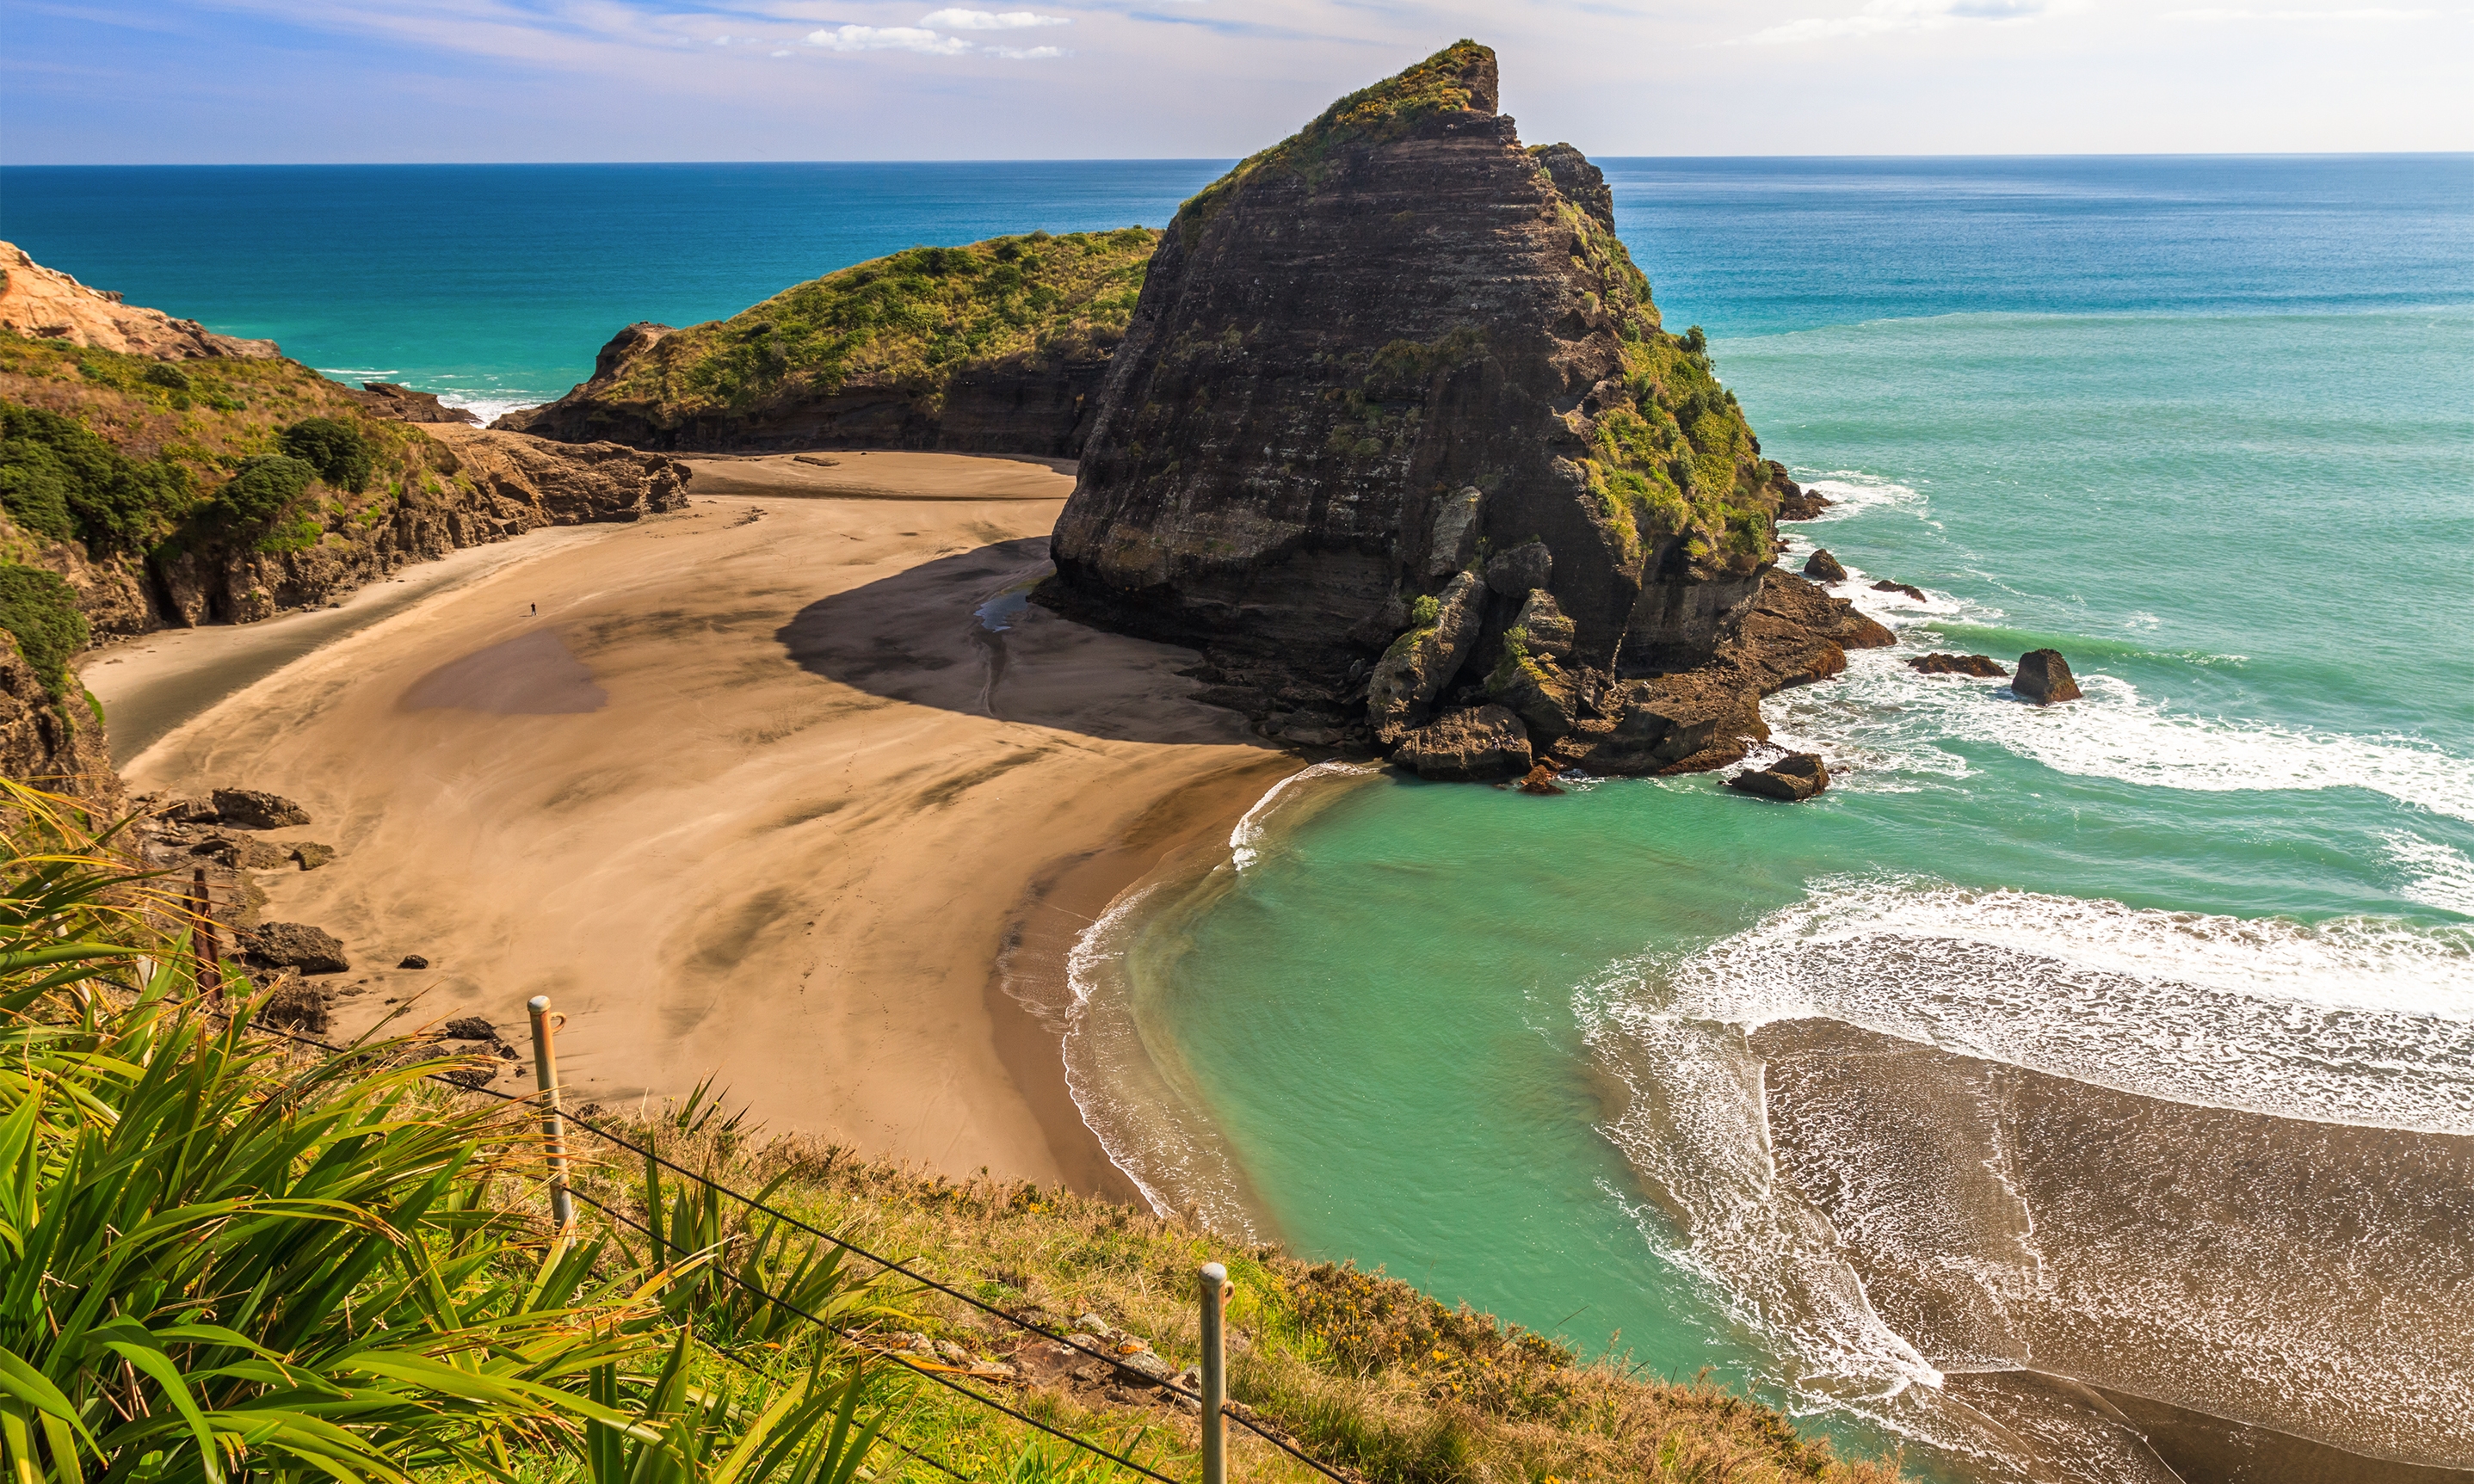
790, 790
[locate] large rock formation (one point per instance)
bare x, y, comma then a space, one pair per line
52, 742
1395, 429
993, 348
43, 303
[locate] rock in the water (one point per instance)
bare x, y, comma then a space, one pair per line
1796, 503
2044, 677
313, 950
1342, 339
1984, 665
1911, 590
250, 809
1541, 780
1474, 745
412, 961
1421, 661
311, 854
469, 1028
1794, 778
1823, 568
1520, 571
1678, 723
1549, 633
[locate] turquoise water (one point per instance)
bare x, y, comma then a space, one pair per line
2206, 425
1496, 1043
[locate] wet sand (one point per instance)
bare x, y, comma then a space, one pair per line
757, 795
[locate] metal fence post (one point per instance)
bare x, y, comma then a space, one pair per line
562, 1205
1216, 1290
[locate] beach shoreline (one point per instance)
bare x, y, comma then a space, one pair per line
755, 792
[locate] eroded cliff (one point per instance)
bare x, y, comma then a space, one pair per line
1395, 429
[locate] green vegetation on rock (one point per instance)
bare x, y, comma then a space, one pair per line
1446, 83
41, 611
908, 321
132, 456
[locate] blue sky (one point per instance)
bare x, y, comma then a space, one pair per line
256, 81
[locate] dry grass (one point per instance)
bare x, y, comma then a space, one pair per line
1361, 1370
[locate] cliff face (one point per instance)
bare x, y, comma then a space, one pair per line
56, 748
996, 346
1393, 391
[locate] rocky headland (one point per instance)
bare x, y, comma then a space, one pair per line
992, 348
157, 475
1397, 437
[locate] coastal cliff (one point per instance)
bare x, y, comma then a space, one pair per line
154, 474
993, 348
1396, 432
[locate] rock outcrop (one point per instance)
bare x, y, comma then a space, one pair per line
43, 303
1393, 390
250, 808
993, 348
1791, 779
402, 404
53, 744
1823, 568
2044, 677
1984, 666
148, 488
1475, 745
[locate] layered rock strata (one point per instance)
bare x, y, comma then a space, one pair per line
1397, 437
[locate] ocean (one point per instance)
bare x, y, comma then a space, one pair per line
2118, 1050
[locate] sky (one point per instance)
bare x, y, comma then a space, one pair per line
218, 81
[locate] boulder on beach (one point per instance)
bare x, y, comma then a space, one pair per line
2044, 677
412, 961
313, 950
294, 1002
469, 1028
249, 808
1792, 779
311, 855
1476, 744
1823, 568
1984, 665
1421, 661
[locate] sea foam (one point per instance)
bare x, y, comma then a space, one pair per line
2358, 1020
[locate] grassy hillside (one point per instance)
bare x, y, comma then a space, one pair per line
907, 323
125, 454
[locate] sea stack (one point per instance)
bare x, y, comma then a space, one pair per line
2044, 677
1394, 395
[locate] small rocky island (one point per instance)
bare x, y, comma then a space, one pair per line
1396, 438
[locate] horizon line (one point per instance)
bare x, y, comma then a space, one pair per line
1196, 159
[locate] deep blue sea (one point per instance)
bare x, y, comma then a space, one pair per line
2131, 1039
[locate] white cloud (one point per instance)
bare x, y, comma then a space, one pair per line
781, 53
1027, 54
2366, 15
887, 38
991, 20
1883, 17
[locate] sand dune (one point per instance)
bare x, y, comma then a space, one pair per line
757, 793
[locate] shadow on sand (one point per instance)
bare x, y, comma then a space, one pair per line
958, 633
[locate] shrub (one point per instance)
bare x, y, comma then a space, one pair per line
58, 478
1425, 612
1696, 342
166, 374
41, 611
335, 448
260, 489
